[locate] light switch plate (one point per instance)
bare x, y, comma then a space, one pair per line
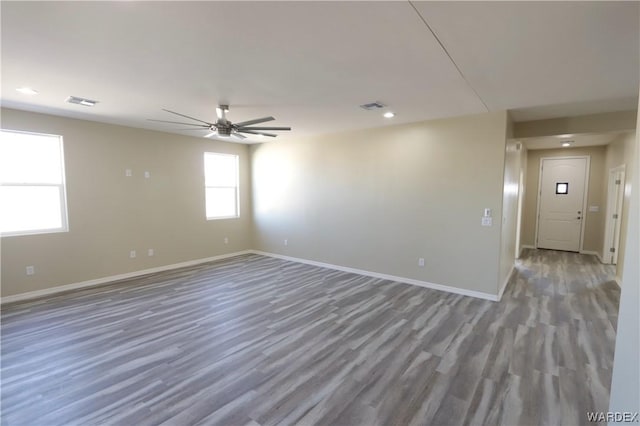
594, 208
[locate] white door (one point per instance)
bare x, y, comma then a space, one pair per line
562, 196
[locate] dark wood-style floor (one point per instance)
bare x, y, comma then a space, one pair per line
260, 341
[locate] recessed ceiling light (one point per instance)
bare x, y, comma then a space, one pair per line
567, 135
566, 144
27, 91
388, 114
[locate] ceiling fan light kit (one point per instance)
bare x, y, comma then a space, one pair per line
223, 128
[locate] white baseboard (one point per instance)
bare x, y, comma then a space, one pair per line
104, 280
525, 246
506, 281
594, 253
113, 278
618, 281
433, 286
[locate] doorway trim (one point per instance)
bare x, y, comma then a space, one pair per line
612, 197
584, 201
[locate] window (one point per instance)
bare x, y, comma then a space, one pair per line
562, 188
221, 185
32, 188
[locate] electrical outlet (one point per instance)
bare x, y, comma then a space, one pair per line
31, 270
150, 252
132, 254
128, 173
421, 261
286, 242
147, 174
226, 240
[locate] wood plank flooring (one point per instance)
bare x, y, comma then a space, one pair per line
260, 341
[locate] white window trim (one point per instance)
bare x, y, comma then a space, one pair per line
236, 187
64, 208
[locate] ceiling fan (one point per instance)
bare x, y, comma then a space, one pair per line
224, 128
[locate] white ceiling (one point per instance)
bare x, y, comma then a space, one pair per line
311, 64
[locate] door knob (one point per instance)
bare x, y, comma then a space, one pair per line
578, 217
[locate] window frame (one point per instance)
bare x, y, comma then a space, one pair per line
64, 208
566, 188
236, 187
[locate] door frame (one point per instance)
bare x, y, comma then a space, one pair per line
585, 197
612, 197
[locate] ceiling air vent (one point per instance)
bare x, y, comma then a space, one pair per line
81, 101
372, 106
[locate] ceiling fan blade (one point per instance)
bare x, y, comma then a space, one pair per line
238, 135
186, 116
256, 121
194, 128
242, 129
177, 122
271, 135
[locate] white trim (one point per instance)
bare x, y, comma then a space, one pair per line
104, 280
433, 286
585, 201
618, 280
585, 195
538, 196
594, 253
506, 281
114, 278
612, 198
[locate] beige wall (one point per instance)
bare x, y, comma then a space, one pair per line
615, 155
594, 123
375, 200
594, 226
110, 214
620, 152
380, 199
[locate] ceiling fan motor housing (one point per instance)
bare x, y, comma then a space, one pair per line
224, 128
